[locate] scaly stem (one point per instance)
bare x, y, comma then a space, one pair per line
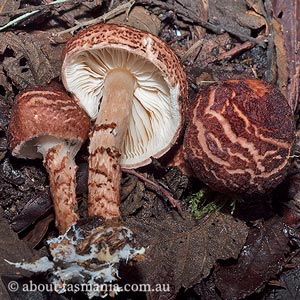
106, 141
61, 167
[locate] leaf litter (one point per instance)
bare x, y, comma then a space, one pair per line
182, 251
262, 257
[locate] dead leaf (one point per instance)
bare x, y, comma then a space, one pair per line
32, 60
33, 294
6, 90
32, 211
261, 258
206, 289
36, 235
290, 189
140, 18
11, 248
7, 6
257, 6
281, 58
10, 174
235, 17
290, 282
180, 251
131, 195
287, 14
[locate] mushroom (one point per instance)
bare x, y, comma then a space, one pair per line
139, 85
46, 123
240, 136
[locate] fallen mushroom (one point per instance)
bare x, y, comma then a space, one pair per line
46, 123
140, 86
240, 136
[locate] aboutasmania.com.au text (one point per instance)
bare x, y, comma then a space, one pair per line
105, 288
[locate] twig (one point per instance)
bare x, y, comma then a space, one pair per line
109, 15
229, 54
162, 190
191, 50
29, 14
18, 19
38, 7
190, 17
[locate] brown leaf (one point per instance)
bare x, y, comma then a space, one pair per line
181, 252
289, 282
6, 90
11, 174
7, 6
140, 18
36, 235
132, 191
261, 258
32, 211
12, 249
287, 13
206, 289
281, 58
32, 59
235, 17
257, 6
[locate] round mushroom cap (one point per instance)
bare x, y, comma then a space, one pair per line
156, 118
45, 113
240, 136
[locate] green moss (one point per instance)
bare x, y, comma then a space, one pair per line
206, 202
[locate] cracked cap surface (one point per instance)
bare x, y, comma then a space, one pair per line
240, 136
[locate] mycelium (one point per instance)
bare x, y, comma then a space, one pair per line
46, 123
89, 257
240, 136
132, 84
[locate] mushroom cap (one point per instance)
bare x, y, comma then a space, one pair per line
240, 136
156, 119
45, 112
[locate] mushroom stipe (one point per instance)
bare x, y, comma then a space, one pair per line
133, 85
46, 123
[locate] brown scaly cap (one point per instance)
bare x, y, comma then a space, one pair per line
133, 40
240, 136
41, 111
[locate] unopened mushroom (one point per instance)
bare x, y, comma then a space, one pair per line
46, 123
133, 85
240, 136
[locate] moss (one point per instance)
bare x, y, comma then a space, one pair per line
206, 202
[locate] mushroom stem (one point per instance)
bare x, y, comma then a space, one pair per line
59, 162
107, 138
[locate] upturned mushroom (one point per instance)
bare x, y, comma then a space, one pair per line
46, 123
240, 136
133, 85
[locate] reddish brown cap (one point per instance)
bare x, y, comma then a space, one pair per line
240, 136
44, 112
156, 119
